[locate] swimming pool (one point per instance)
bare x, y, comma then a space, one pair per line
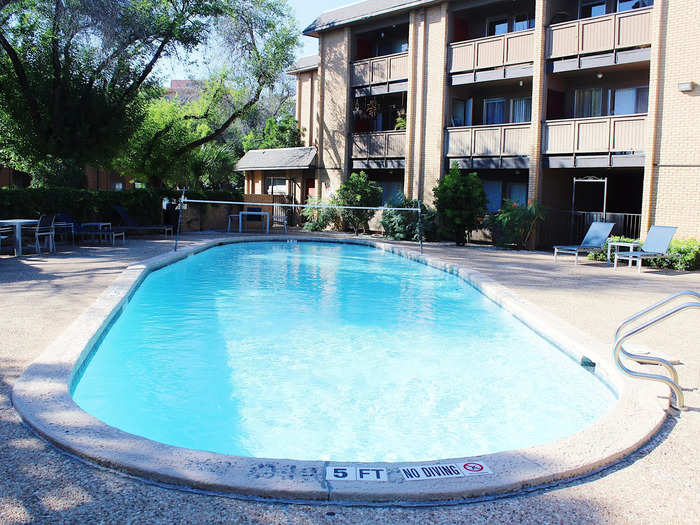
332, 352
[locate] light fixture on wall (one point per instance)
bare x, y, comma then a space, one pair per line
521, 83
599, 75
686, 87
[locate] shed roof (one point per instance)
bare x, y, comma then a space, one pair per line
359, 11
308, 63
278, 159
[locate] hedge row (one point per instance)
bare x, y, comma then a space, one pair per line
687, 255
143, 205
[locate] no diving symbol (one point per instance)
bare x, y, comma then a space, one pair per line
473, 467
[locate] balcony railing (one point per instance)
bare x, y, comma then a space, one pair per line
488, 141
594, 135
490, 52
379, 70
379, 145
627, 29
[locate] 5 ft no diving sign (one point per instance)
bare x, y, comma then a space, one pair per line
417, 473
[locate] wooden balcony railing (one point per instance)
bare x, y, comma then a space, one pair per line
379, 145
488, 141
388, 68
493, 51
594, 135
600, 33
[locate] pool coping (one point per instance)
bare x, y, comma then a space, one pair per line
42, 398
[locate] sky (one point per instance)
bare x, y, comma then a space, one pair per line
306, 12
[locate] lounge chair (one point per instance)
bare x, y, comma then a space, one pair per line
656, 245
131, 225
595, 238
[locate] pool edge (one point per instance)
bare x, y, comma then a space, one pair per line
42, 398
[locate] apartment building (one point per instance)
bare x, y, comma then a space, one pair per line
587, 106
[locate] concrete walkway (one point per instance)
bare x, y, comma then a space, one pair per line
40, 295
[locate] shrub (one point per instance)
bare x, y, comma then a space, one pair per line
460, 201
319, 219
403, 225
513, 224
358, 190
144, 205
688, 259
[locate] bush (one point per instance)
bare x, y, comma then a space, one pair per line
513, 224
319, 219
461, 202
403, 225
144, 205
688, 259
358, 190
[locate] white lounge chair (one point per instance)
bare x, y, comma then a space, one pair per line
656, 245
595, 238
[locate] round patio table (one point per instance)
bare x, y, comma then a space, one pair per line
18, 223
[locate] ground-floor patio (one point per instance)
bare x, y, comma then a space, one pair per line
41, 295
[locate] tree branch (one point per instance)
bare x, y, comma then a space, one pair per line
136, 84
21, 75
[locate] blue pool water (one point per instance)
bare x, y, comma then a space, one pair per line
333, 352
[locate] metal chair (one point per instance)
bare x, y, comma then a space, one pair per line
7, 237
655, 246
44, 229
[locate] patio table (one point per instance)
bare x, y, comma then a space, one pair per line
98, 230
621, 244
18, 223
260, 213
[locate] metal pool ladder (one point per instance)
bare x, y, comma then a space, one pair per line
620, 338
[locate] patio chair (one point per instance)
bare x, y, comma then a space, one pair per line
656, 245
43, 230
131, 225
279, 217
595, 238
7, 238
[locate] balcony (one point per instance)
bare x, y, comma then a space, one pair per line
380, 149
490, 58
616, 141
619, 35
489, 146
383, 70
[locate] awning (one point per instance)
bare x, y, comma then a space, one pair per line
278, 159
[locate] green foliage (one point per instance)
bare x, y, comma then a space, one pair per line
403, 225
461, 202
400, 123
358, 190
282, 132
688, 258
319, 219
143, 205
76, 79
513, 225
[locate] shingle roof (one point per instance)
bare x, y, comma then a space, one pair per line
358, 11
278, 159
305, 64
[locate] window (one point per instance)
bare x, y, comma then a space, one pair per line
588, 102
517, 192
592, 8
276, 186
626, 5
521, 109
494, 194
462, 112
523, 22
392, 191
627, 101
118, 186
495, 111
497, 26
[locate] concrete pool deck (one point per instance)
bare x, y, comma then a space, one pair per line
659, 482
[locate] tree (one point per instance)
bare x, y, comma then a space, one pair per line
358, 190
76, 77
282, 132
461, 202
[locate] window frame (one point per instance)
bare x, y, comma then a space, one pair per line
585, 3
269, 188
505, 111
491, 19
511, 111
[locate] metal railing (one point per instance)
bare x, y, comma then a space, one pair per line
378, 70
492, 51
627, 29
567, 227
379, 145
488, 140
618, 348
